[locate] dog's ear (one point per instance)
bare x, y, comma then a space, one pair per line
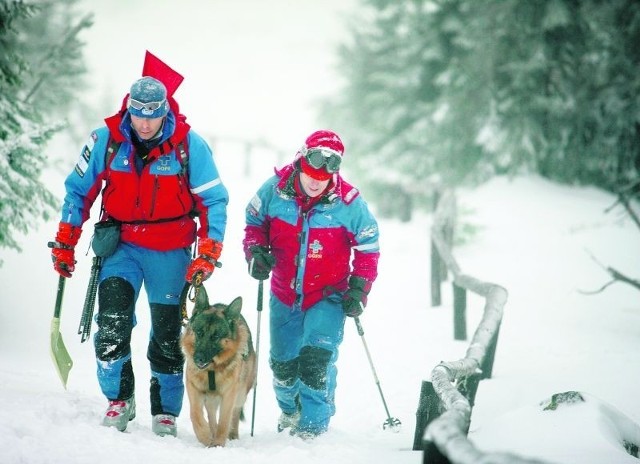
202, 299
233, 310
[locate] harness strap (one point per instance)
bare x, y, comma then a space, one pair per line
112, 149
157, 221
183, 156
166, 147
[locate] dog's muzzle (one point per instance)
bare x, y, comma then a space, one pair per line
202, 365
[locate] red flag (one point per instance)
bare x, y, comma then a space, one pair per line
155, 67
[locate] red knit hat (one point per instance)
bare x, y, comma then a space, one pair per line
321, 139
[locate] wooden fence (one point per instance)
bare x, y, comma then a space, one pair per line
444, 411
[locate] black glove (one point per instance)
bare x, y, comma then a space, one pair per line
261, 262
355, 298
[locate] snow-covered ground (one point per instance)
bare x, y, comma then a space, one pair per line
533, 237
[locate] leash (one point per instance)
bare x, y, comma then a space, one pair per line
190, 293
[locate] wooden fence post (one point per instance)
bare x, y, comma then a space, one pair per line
428, 410
436, 262
432, 455
447, 234
459, 313
487, 362
436, 298
468, 388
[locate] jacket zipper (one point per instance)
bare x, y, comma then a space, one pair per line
156, 186
300, 259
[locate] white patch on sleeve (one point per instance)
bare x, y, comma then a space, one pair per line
83, 161
92, 141
350, 195
368, 232
256, 203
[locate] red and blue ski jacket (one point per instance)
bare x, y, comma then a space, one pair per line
316, 250
157, 205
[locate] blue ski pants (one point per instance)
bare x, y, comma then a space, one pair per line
303, 355
121, 279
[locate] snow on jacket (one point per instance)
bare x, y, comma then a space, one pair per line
156, 205
312, 249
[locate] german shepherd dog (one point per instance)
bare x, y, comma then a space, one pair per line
221, 368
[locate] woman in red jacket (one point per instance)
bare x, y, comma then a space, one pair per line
316, 233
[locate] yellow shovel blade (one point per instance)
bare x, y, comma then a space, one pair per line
59, 352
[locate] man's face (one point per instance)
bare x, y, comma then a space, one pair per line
146, 127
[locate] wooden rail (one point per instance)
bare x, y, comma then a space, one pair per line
444, 412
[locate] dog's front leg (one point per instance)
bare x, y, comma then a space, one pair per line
196, 411
234, 431
211, 404
227, 405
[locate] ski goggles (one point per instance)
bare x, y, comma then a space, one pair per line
323, 158
150, 106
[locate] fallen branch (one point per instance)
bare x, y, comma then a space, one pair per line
600, 290
625, 194
625, 202
617, 277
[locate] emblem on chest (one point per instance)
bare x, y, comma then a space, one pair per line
315, 250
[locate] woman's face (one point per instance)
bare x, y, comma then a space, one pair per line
311, 186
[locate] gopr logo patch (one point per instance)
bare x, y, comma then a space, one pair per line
316, 249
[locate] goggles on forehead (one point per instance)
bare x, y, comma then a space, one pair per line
150, 106
323, 158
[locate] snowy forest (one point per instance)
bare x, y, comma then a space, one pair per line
457, 91
434, 93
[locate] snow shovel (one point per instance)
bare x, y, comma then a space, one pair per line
59, 352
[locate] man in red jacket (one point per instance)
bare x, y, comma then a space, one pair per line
153, 198
316, 233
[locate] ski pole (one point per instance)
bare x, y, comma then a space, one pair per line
255, 387
391, 422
